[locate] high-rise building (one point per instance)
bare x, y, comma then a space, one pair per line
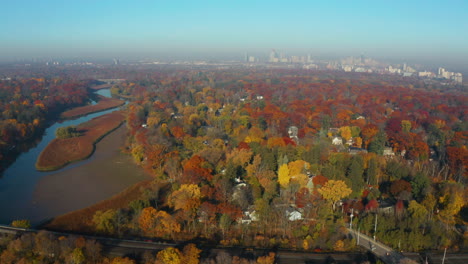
274, 56
441, 71
458, 77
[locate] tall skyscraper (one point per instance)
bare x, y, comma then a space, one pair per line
441, 71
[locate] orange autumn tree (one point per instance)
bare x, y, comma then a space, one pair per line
195, 171
178, 132
191, 254
458, 161
187, 198
297, 171
368, 133
157, 223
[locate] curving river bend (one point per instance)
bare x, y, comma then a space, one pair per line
26, 193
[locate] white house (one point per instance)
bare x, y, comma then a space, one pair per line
293, 214
337, 141
249, 216
388, 152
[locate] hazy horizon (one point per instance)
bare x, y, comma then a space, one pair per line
430, 31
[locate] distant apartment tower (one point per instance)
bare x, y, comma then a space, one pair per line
441, 71
425, 74
298, 59
458, 77
274, 56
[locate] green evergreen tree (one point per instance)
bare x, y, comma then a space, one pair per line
355, 175
378, 144
420, 186
372, 171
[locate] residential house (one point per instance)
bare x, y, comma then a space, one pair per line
337, 141
388, 152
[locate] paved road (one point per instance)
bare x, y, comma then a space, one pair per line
385, 253
122, 247
380, 250
285, 257
450, 258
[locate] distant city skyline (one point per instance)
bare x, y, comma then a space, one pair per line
430, 31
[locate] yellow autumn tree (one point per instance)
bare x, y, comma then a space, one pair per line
358, 142
169, 255
283, 176
406, 126
345, 132
122, 260
333, 191
451, 203
255, 135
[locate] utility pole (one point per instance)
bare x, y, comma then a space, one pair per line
443, 259
358, 232
375, 226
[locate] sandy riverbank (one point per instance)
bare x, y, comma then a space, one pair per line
103, 104
106, 173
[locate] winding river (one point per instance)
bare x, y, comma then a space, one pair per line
19, 183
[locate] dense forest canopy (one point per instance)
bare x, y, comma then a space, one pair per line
266, 157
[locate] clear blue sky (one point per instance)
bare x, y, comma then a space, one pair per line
395, 28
